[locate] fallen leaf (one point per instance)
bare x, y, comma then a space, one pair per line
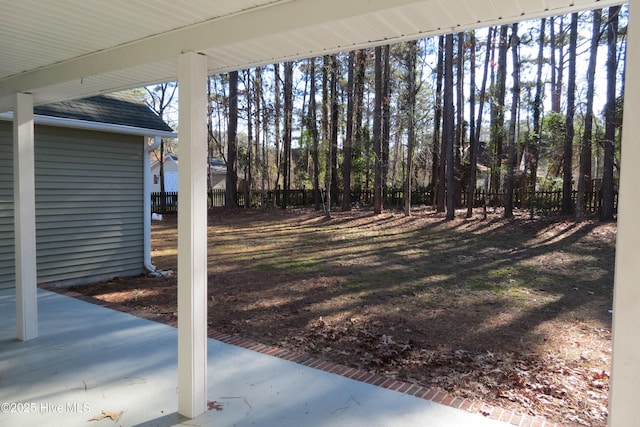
215, 405
115, 416
599, 375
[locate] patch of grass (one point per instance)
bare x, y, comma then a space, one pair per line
299, 265
353, 287
500, 273
263, 266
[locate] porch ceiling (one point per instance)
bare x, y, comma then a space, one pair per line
75, 48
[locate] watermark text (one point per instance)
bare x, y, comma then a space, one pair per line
44, 407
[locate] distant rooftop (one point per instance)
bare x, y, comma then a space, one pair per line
215, 162
118, 109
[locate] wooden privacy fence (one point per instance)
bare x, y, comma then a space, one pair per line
539, 201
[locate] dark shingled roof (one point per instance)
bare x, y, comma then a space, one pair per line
118, 109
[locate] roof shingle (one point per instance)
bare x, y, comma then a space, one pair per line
118, 109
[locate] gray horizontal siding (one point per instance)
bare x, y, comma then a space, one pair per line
7, 267
89, 206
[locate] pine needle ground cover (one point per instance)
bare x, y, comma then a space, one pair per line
515, 313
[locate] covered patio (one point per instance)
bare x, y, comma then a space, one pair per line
105, 360
72, 49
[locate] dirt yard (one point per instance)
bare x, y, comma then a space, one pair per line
513, 313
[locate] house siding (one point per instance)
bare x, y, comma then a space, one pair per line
89, 206
7, 266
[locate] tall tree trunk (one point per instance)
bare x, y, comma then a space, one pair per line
222, 113
386, 117
557, 63
537, 113
459, 133
377, 133
511, 154
360, 142
398, 153
584, 177
497, 113
553, 61
313, 127
439, 149
260, 142
555, 99
265, 142
473, 143
448, 129
277, 118
231, 190
610, 116
347, 151
248, 175
326, 102
333, 146
411, 125
288, 124
567, 157
483, 90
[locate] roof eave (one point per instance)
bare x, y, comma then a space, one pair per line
95, 126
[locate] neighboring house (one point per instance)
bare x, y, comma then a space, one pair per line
91, 216
217, 174
170, 174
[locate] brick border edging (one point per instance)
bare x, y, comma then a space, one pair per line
437, 396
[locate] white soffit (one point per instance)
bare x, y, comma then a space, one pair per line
37, 33
73, 48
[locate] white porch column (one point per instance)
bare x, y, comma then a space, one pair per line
192, 236
24, 200
625, 378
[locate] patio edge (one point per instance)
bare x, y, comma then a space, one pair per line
435, 395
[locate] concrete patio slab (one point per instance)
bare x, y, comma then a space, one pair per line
88, 359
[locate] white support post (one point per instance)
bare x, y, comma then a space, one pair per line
24, 201
192, 236
623, 400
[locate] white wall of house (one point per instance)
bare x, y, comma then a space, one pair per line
218, 178
170, 175
217, 174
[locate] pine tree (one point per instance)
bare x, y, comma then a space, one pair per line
497, 111
584, 177
231, 185
412, 52
610, 116
448, 126
537, 112
511, 148
567, 157
439, 147
377, 133
473, 143
288, 131
347, 148
315, 140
